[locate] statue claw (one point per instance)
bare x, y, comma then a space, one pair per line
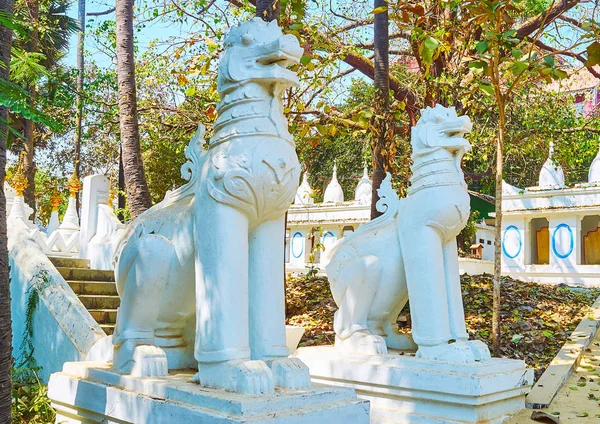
249, 377
140, 360
363, 343
459, 352
291, 374
480, 350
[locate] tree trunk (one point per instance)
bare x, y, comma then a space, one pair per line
498, 232
121, 184
6, 6
380, 128
136, 186
29, 167
268, 10
79, 97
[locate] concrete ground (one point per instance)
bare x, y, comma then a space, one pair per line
579, 399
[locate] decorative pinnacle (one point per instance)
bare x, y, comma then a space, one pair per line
74, 184
18, 180
55, 198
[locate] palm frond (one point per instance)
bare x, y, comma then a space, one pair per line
16, 99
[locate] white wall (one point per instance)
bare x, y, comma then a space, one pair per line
63, 329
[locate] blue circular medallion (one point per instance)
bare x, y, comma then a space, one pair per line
297, 244
512, 242
562, 231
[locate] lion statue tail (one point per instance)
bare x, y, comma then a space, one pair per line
388, 204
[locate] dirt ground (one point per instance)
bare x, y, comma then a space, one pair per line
579, 400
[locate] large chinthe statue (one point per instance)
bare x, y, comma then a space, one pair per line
409, 254
212, 252
218, 236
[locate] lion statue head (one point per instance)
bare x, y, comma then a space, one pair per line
258, 51
441, 128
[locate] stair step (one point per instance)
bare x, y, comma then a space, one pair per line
94, 287
109, 329
104, 316
95, 301
79, 274
63, 262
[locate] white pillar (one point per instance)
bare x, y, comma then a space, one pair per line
95, 191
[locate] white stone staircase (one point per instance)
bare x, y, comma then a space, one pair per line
95, 288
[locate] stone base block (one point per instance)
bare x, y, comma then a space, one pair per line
404, 389
88, 392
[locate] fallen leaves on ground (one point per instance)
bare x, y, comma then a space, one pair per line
536, 318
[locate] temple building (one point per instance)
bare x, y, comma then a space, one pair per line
550, 233
311, 224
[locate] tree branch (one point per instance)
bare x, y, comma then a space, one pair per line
545, 18
577, 56
106, 12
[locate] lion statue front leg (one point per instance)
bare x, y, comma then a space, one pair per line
428, 240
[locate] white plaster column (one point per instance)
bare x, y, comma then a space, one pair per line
514, 243
563, 241
298, 247
96, 190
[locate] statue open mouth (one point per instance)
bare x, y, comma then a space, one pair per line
287, 53
456, 128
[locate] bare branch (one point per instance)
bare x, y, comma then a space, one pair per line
105, 12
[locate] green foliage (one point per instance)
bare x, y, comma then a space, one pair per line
30, 403
466, 237
315, 235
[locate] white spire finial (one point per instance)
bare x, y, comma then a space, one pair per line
304, 194
594, 172
334, 192
551, 174
364, 189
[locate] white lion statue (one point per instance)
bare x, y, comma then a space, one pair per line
213, 249
410, 253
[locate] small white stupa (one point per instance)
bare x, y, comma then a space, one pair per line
364, 189
594, 172
552, 174
334, 192
304, 194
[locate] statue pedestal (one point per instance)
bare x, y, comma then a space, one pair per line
91, 392
404, 389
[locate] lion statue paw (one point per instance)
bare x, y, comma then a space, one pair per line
363, 343
248, 377
291, 374
459, 352
140, 360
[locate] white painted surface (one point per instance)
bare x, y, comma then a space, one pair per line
90, 392
304, 194
411, 248
334, 192
364, 190
471, 266
551, 174
221, 235
63, 329
406, 389
570, 213
53, 224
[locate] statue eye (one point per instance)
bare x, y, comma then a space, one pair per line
247, 39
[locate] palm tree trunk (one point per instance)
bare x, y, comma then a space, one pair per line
268, 10
381, 128
6, 6
136, 186
80, 75
29, 167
